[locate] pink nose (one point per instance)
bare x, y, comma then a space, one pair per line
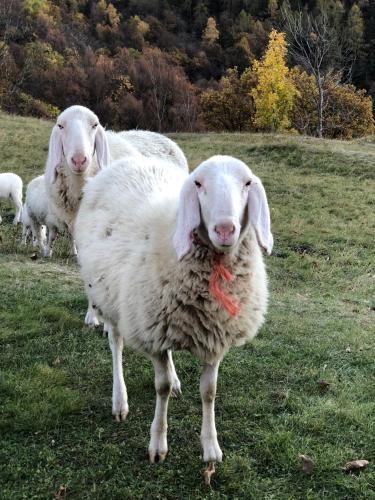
225, 230
79, 161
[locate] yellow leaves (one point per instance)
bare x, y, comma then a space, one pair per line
274, 93
35, 7
211, 33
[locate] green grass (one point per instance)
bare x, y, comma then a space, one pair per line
55, 379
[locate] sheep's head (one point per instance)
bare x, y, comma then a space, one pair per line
76, 137
220, 198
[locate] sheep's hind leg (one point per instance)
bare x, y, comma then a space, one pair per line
176, 384
210, 445
120, 408
17, 216
158, 446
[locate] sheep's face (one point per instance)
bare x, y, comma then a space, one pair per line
76, 137
77, 128
223, 193
221, 197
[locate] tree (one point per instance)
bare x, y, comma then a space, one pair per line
211, 33
318, 46
274, 92
272, 8
348, 113
230, 107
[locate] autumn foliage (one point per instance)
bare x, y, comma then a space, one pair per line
167, 67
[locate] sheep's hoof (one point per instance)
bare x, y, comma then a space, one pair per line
120, 411
176, 388
211, 450
156, 456
91, 320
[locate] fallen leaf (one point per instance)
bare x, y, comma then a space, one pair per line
209, 472
323, 384
61, 493
307, 464
355, 465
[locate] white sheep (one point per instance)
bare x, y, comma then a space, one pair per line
11, 189
79, 147
42, 221
151, 144
173, 262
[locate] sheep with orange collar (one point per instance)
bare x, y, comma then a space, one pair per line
173, 261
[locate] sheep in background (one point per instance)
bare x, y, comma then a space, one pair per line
43, 223
174, 262
78, 147
11, 189
151, 144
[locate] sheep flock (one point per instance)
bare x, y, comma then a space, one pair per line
170, 260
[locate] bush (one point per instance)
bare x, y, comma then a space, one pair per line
230, 107
348, 113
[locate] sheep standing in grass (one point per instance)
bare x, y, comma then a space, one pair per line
11, 189
173, 261
78, 148
41, 220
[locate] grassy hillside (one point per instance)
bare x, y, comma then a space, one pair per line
305, 385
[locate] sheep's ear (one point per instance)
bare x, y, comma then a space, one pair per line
259, 215
54, 158
188, 218
102, 148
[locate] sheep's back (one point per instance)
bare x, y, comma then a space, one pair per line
116, 221
10, 184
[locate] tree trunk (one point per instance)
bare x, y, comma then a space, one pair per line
320, 106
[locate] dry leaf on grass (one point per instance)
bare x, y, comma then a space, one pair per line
207, 473
61, 493
323, 384
355, 465
307, 464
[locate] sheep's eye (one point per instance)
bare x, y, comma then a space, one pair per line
95, 125
60, 126
198, 184
248, 183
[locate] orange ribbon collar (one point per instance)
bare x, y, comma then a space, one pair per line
221, 272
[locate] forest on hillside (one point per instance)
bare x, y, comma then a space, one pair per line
188, 65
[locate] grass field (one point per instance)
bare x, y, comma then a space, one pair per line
306, 385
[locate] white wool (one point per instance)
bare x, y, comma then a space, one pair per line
149, 237
38, 216
11, 189
151, 144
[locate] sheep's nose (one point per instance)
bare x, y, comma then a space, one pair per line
225, 230
79, 160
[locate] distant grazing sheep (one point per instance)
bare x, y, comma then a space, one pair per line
78, 147
11, 189
173, 261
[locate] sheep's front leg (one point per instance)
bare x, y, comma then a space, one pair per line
211, 448
158, 447
120, 408
91, 318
